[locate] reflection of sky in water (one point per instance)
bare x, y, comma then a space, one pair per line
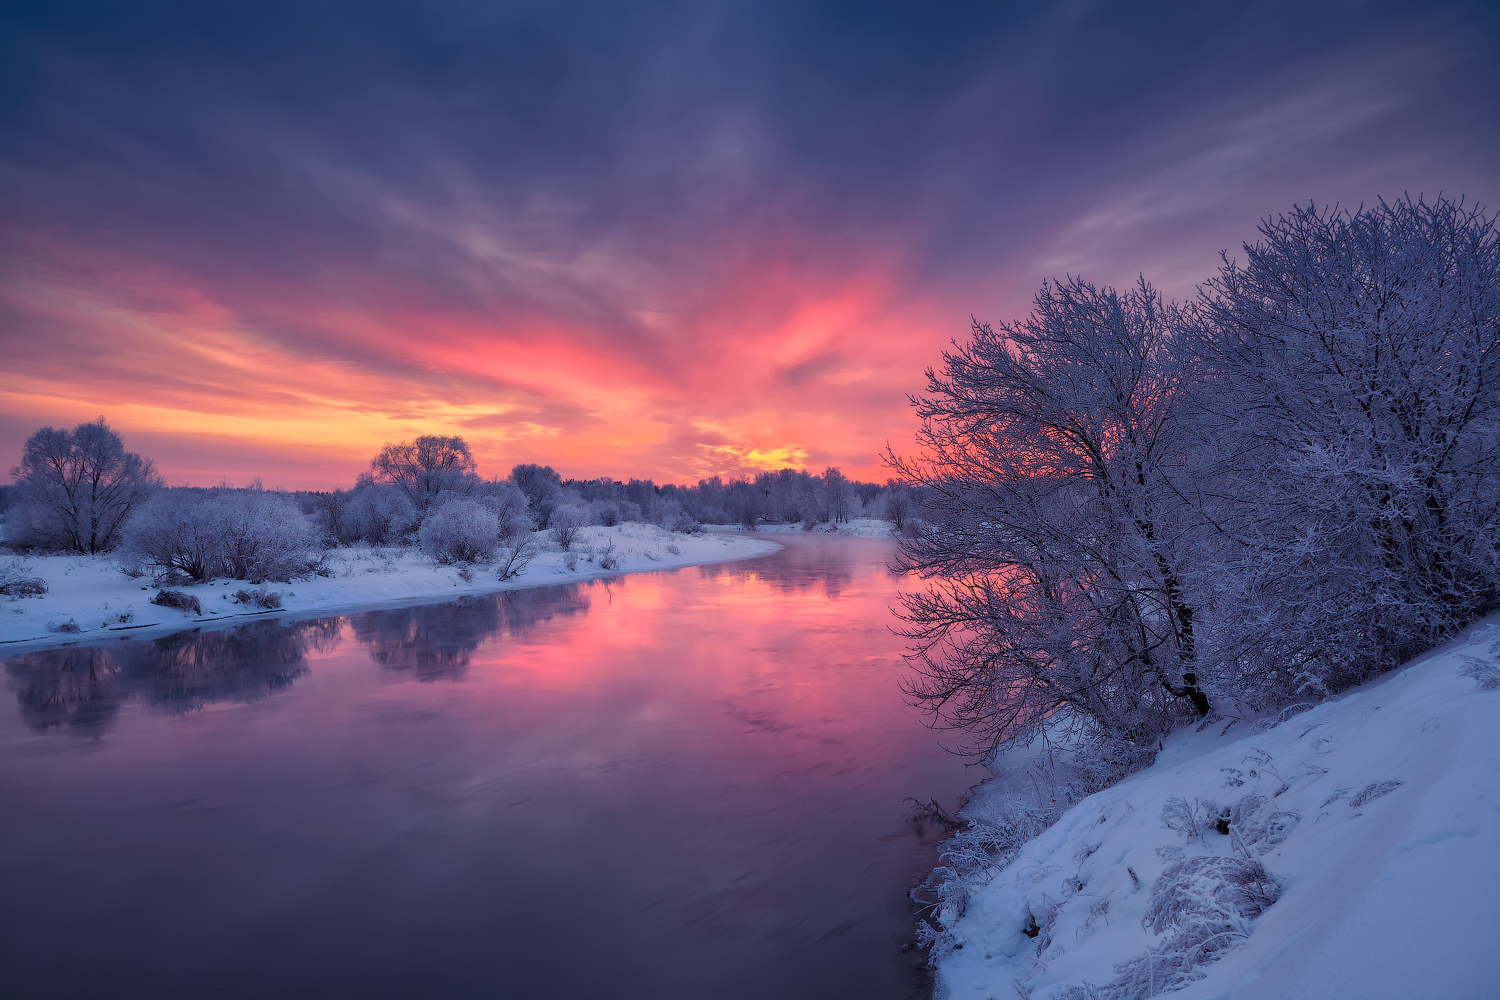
680, 784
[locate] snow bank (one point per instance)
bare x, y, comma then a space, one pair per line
1374, 819
90, 598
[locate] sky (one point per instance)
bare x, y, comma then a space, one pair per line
652, 239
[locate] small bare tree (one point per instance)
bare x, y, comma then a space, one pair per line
567, 521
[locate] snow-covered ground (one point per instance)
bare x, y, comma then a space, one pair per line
859, 527
92, 593
1376, 817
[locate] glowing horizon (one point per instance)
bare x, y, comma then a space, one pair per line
662, 244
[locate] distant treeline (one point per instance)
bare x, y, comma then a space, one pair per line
81, 491
407, 481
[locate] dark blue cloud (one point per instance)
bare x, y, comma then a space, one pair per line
276, 136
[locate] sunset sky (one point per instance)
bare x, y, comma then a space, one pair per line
638, 238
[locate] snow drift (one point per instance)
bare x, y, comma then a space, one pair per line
1351, 849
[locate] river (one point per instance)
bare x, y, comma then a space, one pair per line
679, 784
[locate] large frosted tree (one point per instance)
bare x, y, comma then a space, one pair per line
75, 489
1053, 536
1351, 418
426, 467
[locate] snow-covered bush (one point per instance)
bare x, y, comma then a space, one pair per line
460, 531
509, 505
378, 513
244, 534
177, 530
178, 600
1206, 905
16, 580
265, 536
267, 599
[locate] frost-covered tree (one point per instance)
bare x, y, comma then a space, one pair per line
379, 513
74, 489
838, 495
1352, 424
542, 487
461, 530
1052, 539
423, 468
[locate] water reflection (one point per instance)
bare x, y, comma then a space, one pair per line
437, 641
810, 562
682, 784
82, 689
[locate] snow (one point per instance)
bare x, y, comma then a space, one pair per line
1388, 800
93, 593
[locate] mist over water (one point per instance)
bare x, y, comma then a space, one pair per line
677, 784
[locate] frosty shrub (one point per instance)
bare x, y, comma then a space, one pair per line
1205, 905
1486, 673
268, 599
266, 536
506, 501
566, 523
178, 530
243, 534
969, 859
373, 512
178, 600
460, 531
608, 558
16, 581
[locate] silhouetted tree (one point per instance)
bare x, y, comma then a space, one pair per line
75, 489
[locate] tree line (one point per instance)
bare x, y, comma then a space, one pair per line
80, 491
1136, 512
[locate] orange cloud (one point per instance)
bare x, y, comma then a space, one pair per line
769, 366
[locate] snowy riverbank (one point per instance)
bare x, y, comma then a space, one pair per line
1376, 817
102, 602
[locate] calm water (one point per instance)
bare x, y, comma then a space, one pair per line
681, 784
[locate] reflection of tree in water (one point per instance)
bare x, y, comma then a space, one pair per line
251, 662
806, 561
435, 641
79, 688
83, 688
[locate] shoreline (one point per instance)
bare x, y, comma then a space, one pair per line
91, 590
